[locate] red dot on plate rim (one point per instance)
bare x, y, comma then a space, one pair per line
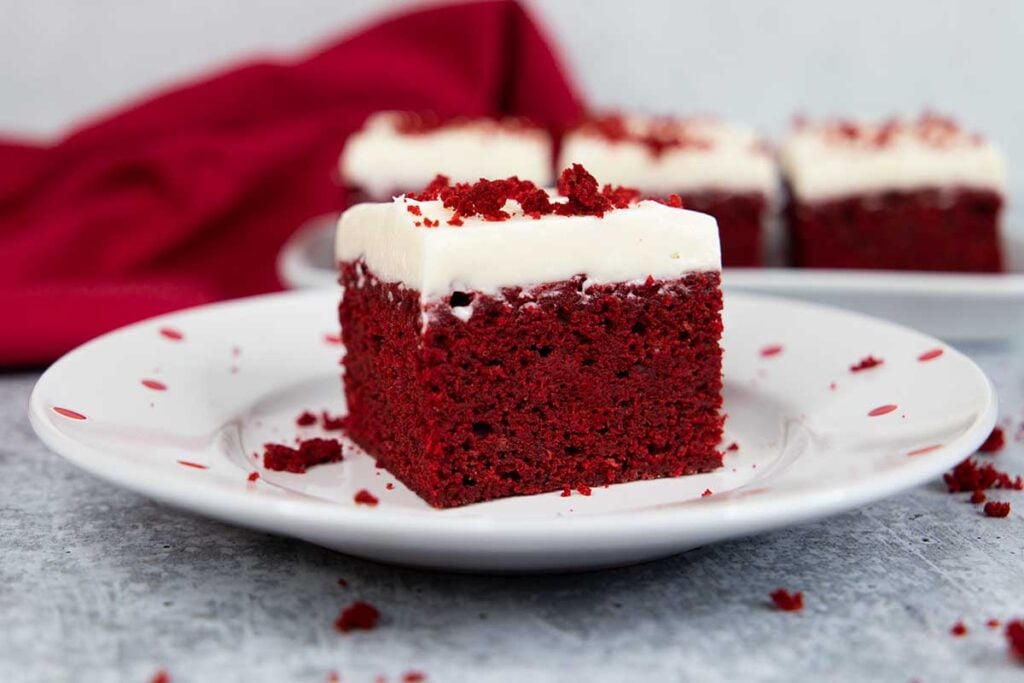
171, 333
925, 449
882, 410
68, 413
771, 350
153, 384
332, 338
930, 355
195, 465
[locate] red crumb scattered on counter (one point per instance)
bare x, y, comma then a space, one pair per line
994, 509
707, 492
786, 601
566, 491
1015, 637
413, 677
995, 441
733, 446
161, 676
389, 486
583, 489
969, 476
992, 623
866, 363
253, 476
958, 630
359, 615
306, 419
309, 452
772, 350
978, 497
364, 497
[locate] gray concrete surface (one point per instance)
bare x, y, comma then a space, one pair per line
97, 584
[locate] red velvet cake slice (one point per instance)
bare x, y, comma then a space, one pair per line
502, 340
718, 168
896, 195
398, 152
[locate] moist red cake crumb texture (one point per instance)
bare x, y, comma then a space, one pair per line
253, 476
361, 616
310, 452
958, 629
994, 509
786, 601
947, 230
1015, 638
306, 419
978, 497
995, 441
968, 476
538, 387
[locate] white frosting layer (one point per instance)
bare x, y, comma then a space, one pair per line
821, 164
383, 160
625, 245
733, 159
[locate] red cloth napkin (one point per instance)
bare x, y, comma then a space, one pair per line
187, 197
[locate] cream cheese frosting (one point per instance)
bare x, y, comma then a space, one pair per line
717, 156
382, 159
624, 245
838, 159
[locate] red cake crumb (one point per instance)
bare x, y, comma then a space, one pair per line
771, 350
253, 476
992, 623
707, 492
305, 419
414, 209
969, 476
413, 677
866, 363
332, 423
786, 601
978, 497
994, 509
583, 489
995, 441
358, 616
389, 486
658, 136
486, 198
161, 676
310, 452
733, 446
171, 333
566, 491
364, 497
1015, 637
958, 630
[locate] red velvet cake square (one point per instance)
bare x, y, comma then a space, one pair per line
895, 195
397, 152
504, 340
715, 167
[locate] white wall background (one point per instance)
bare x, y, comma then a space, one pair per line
756, 61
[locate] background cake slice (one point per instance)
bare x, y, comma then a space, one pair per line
716, 167
501, 340
398, 152
899, 194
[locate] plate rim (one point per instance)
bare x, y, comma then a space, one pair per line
239, 506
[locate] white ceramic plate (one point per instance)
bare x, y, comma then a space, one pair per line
961, 307
178, 419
